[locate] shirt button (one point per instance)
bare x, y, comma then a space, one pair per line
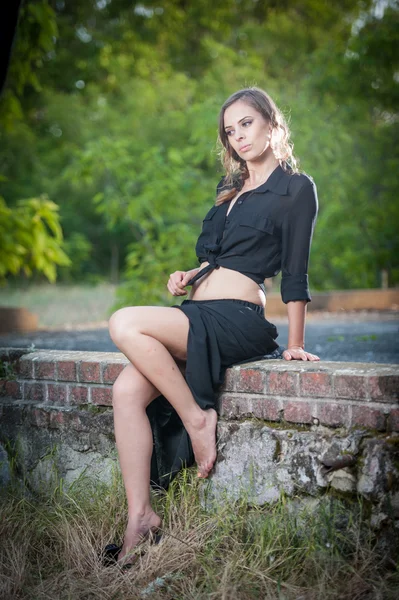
227, 221
239, 201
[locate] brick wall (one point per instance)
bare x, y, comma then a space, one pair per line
49, 384
286, 419
328, 393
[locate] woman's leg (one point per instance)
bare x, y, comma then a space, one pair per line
150, 337
153, 338
131, 394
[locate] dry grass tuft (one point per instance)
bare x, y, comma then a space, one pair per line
50, 549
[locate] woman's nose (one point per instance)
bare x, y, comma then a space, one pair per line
239, 135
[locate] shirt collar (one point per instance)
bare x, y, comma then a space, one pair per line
277, 182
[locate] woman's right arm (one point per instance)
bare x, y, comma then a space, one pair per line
179, 279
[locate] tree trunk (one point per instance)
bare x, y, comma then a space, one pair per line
384, 279
114, 263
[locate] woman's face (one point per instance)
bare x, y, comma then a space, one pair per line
247, 130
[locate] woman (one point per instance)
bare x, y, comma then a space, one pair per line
262, 223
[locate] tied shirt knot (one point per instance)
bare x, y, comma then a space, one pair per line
212, 252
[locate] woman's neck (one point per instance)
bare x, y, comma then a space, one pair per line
259, 173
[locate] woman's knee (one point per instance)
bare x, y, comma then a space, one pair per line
132, 386
120, 321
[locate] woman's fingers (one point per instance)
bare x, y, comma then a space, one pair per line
186, 279
178, 281
294, 354
174, 284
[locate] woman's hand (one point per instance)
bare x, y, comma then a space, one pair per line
178, 281
298, 353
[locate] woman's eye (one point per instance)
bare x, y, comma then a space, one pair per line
244, 124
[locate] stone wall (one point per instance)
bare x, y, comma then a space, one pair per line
294, 427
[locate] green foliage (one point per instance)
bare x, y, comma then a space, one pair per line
7, 370
78, 248
37, 30
30, 238
121, 132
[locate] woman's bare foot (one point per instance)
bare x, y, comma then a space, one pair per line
137, 530
203, 439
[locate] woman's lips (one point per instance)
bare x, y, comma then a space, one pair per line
245, 148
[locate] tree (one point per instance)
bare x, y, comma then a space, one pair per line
30, 239
30, 233
122, 133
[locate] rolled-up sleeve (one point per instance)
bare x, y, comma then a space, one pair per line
297, 232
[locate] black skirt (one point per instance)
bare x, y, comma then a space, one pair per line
222, 333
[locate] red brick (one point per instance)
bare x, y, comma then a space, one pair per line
393, 420
230, 380
39, 417
66, 370
254, 406
366, 416
90, 372
101, 395
283, 384
36, 392
57, 394
350, 386
78, 394
25, 368
13, 389
384, 388
56, 419
316, 384
334, 415
112, 371
298, 412
251, 380
227, 406
43, 370
267, 409
234, 406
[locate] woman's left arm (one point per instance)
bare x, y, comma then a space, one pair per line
296, 332
297, 234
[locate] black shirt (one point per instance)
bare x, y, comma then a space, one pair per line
268, 230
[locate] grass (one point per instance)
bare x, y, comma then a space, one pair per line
49, 549
62, 305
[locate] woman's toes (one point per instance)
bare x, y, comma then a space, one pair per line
204, 444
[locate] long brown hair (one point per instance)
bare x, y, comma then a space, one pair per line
236, 167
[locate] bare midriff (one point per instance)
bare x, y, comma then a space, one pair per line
225, 283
